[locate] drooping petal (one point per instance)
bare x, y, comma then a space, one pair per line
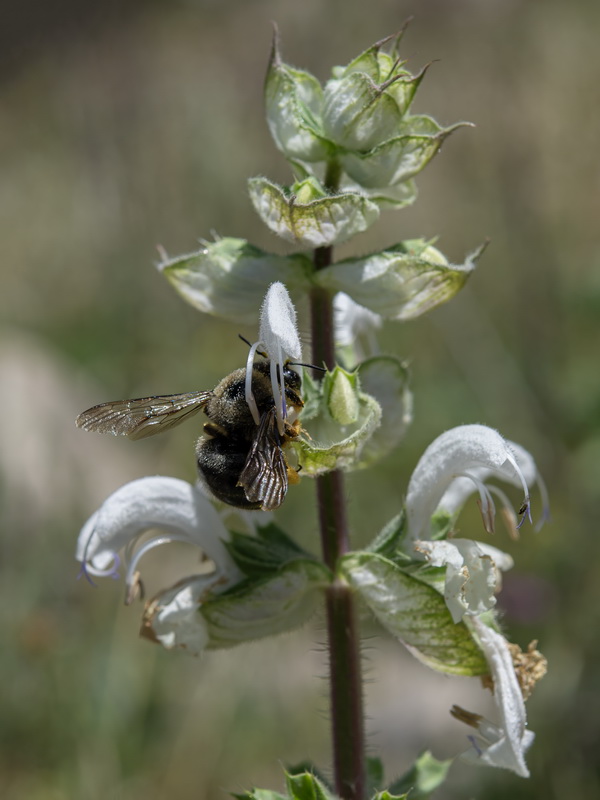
503, 745
161, 502
172, 618
472, 573
459, 452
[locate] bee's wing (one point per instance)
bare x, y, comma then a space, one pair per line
143, 416
264, 477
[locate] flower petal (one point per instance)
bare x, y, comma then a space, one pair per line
172, 617
472, 573
278, 330
155, 502
459, 452
501, 745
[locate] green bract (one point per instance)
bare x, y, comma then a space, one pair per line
402, 282
228, 277
284, 600
415, 613
306, 215
342, 419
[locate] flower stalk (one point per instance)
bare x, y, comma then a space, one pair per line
347, 715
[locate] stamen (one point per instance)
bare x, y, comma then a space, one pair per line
486, 502
130, 577
248, 385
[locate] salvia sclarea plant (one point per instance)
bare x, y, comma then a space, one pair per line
354, 148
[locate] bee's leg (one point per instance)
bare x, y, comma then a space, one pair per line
212, 429
293, 475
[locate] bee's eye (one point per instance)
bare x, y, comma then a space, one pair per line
291, 378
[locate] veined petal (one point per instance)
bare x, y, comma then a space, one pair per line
472, 573
502, 745
459, 452
170, 504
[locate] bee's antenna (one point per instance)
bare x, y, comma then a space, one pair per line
308, 366
260, 352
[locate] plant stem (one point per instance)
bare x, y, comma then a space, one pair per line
347, 718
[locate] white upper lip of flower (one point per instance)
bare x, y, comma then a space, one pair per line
501, 745
184, 514
474, 453
278, 337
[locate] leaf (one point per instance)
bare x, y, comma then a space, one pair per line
307, 786
423, 778
282, 601
415, 613
264, 553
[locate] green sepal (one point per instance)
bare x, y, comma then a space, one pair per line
386, 795
260, 794
293, 100
264, 553
401, 282
324, 221
342, 396
423, 778
413, 612
308, 766
265, 606
386, 379
228, 277
332, 445
306, 786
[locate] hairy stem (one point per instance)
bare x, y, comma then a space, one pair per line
347, 716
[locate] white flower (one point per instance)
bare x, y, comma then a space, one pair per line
472, 573
184, 514
502, 745
460, 459
278, 336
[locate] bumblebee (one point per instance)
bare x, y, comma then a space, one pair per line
241, 462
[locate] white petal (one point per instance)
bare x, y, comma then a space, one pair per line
461, 451
502, 745
354, 322
173, 619
278, 331
472, 573
156, 502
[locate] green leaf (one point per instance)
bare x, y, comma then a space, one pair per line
374, 770
386, 379
319, 223
400, 283
307, 786
260, 794
264, 553
415, 613
388, 540
228, 278
423, 778
385, 795
282, 601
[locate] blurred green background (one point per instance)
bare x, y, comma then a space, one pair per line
127, 125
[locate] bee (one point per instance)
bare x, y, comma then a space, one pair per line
241, 462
